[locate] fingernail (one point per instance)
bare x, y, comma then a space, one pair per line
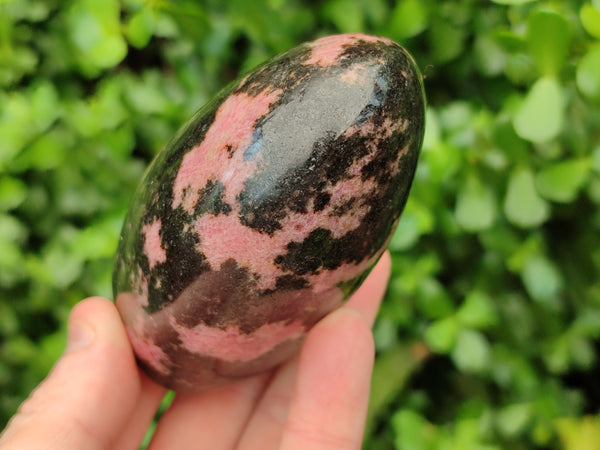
81, 336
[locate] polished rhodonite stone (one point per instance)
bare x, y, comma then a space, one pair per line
268, 209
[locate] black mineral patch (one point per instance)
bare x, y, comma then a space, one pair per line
183, 263
291, 282
311, 255
321, 201
281, 72
211, 200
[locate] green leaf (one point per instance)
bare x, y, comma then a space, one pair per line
45, 105
590, 19
60, 263
412, 431
477, 311
32, 11
456, 115
446, 39
541, 115
520, 69
432, 135
596, 159
104, 111
587, 324
49, 350
557, 355
95, 31
467, 434
98, 273
409, 18
432, 299
346, 15
11, 261
475, 206
522, 204
522, 251
147, 94
98, 240
443, 161
12, 193
11, 229
440, 336
579, 433
46, 152
562, 181
140, 27
489, 55
583, 353
406, 234
548, 38
391, 372
513, 419
18, 350
588, 73
509, 40
17, 63
471, 353
509, 143
376, 12
512, 2
416, 220
542, 280
15, 117
193, 22
9, 321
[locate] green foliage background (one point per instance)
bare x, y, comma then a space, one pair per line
488, 337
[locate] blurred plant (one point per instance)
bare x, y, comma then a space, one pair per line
488, 337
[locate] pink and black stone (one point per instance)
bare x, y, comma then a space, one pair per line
268, 209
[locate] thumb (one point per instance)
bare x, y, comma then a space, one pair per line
90, 393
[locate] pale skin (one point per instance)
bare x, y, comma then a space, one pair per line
96, 397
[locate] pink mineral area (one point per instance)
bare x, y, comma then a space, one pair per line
326, 50
216, 157
223, 237
152, 245
231, 344
146, 350
134, 318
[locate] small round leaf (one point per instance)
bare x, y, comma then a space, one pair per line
541, 115
472, 352
548, 39
588, 73
590, 19
562, 181
522, 205
475, 206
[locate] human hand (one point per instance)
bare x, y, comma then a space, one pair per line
96, 397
